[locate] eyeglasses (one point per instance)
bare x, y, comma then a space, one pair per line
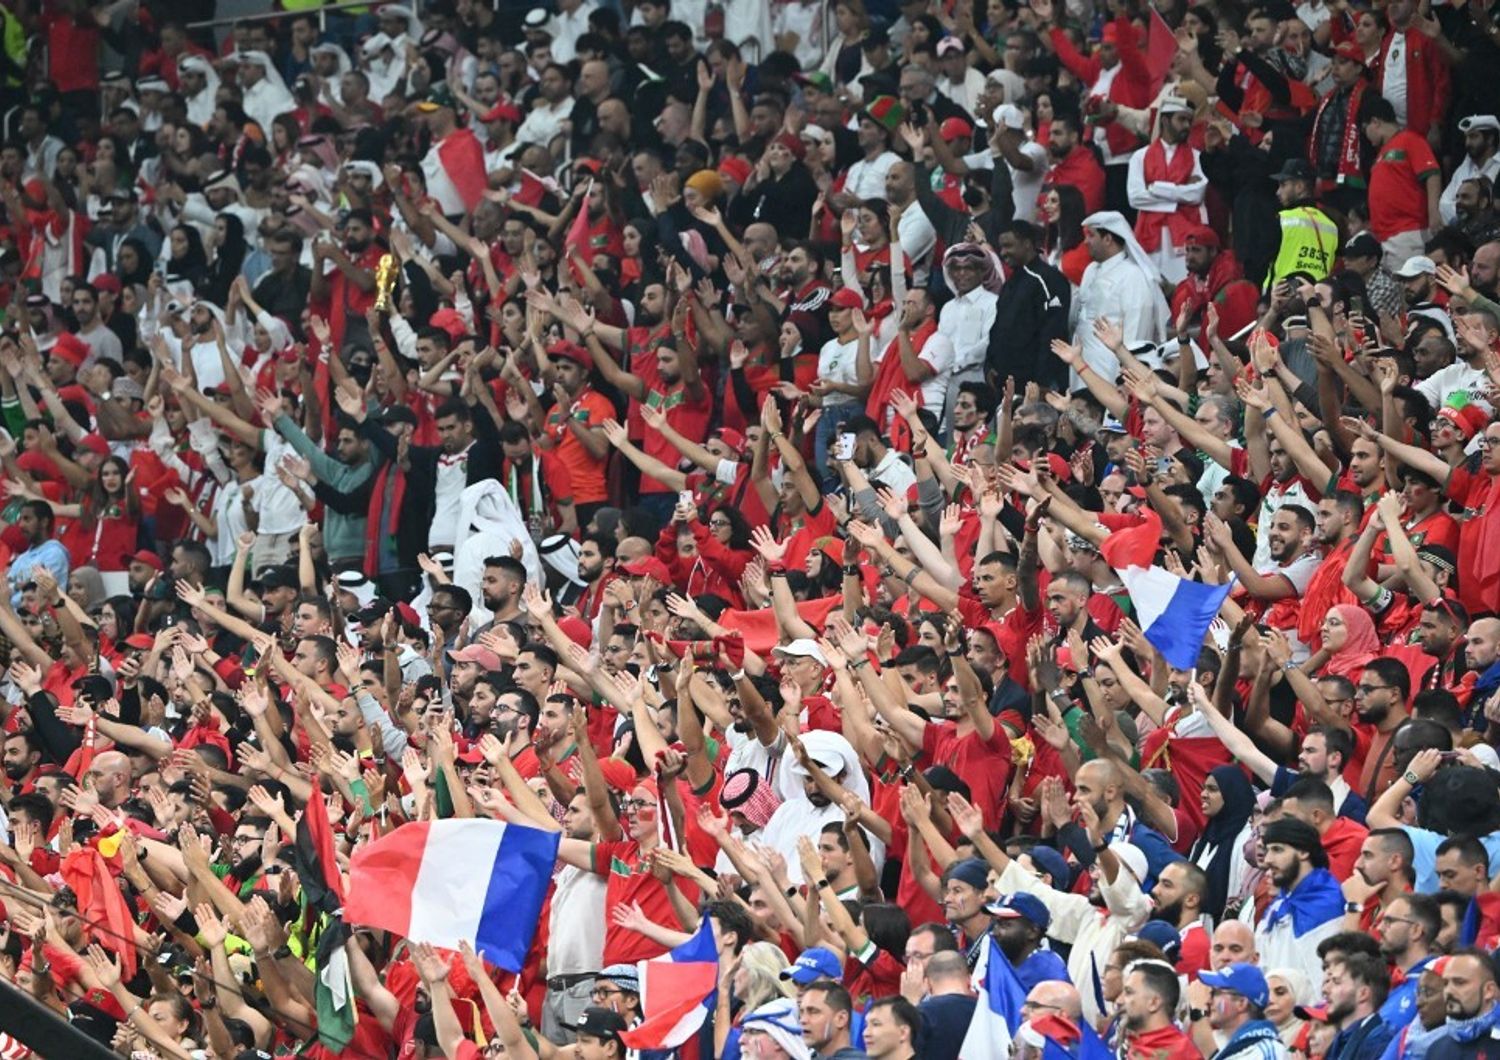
1367, 689
631, 805
606, 992
1486, 442
720, 524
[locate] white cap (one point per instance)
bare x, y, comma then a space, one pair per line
1175, 105
152, 84
1010, 116
1418, 265
1132, 858
536, 18
802, 647
1479, 121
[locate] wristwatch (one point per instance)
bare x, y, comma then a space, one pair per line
1197, 1014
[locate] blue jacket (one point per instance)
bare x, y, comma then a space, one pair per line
1366, 1040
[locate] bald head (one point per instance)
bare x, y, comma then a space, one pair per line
110, 777
1234, 943
947, 967
632, 548
1098, 784
1054, 995
1482, 643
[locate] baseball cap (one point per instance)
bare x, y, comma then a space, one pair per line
1316, 1013
953, 128
503, 111
1162, 935
846, 298
1362, 245
279, 578
816, 963
1350, 50
1021, 906
439, 95
1417, 265
648, 567
484, 657
599, 1022
949, 45
1244, 979
1294, 169
146, 556
802, 647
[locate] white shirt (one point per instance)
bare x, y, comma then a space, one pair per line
566, 27
265, 101
866, 179
1163, 196
966, 92
1438, 386
439, 185
917, 240
280, 510
894, 473
1117, 289
1467, 170
42, 161
1393, 75
799, 817
1025, 185
544, 123
966, 321
576, 943
837, 364
452, 479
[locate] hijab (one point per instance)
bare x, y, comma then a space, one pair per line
1361, 643
192, 266
227, 262
142, 272
1219, 835
1302, 994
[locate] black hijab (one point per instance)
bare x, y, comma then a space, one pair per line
1220, 833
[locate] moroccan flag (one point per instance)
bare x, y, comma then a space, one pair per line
101, 905
314, 858
759, 627
578, 232
1161, 48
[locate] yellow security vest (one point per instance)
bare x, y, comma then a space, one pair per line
1309, 243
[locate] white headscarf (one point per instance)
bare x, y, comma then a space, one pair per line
488, 521
277, 99
1114, 223
200, 108
821, 743
413, 23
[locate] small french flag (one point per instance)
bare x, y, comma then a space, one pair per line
460, 880
1174, 613
677, 992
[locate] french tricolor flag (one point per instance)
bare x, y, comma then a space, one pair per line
678, 992
1173, 612
461, 880
997, 1016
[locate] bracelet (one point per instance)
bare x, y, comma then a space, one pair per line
1268, 413
1288, 666
851, 569
791, 892
855, 664
821, 884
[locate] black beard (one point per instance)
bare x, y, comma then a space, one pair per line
246, 867
590, 576
1013, 947
356, 247
818, 799
16, 771
1171, 912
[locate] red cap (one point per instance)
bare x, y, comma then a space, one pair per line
649, 567
475, 654
1468, 421
847, 298
406, 613
503, 111
71, 348
140, 641
1202, 236
576, 630
1111, 34
147, 557
449, 321
792, 143
732, 438
736, 169
618, 774
572, 352
1350, 50
107, 282
95, 443
471, 756
953, 128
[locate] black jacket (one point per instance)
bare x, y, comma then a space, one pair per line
1031, 311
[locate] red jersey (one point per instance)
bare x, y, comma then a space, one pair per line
1398, 196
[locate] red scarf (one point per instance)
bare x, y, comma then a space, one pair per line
1181, 221
890, 378
383, 479
1350, 171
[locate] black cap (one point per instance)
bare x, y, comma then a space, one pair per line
1362, 245
279, 578
875, 37
373, 612
1292, 832
599, 1022
1294, 169
395, 414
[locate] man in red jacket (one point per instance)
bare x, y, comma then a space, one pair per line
1412, 72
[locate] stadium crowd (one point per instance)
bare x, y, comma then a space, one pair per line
776, 447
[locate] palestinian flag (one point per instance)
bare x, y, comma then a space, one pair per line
316, 861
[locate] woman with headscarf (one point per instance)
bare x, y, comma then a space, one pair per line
1228, 802
186, 258
229, 258
1289, 988
1349, 642
133, 262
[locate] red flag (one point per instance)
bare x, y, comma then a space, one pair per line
759, 627
1135, 547
463, 160
1161, 49
578, 232
101, 905
316, 858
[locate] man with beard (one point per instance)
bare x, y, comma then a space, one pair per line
1030, 312
596, 568
1148, 1007
1380, 709
1354, 988
1407, 930
1382, 875
806, 808
1418, 282
1165, 185
574, 429
964, 885
1073, 163
453, 166
1471, 989
1019, 926
1481, 159
349, 288
803, 289
1274, 588
968, 318
467, 664
1178, 895
1308, 907
1311, 801
1214, 277
21, 756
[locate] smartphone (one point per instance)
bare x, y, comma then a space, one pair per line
685, 497
846, 446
